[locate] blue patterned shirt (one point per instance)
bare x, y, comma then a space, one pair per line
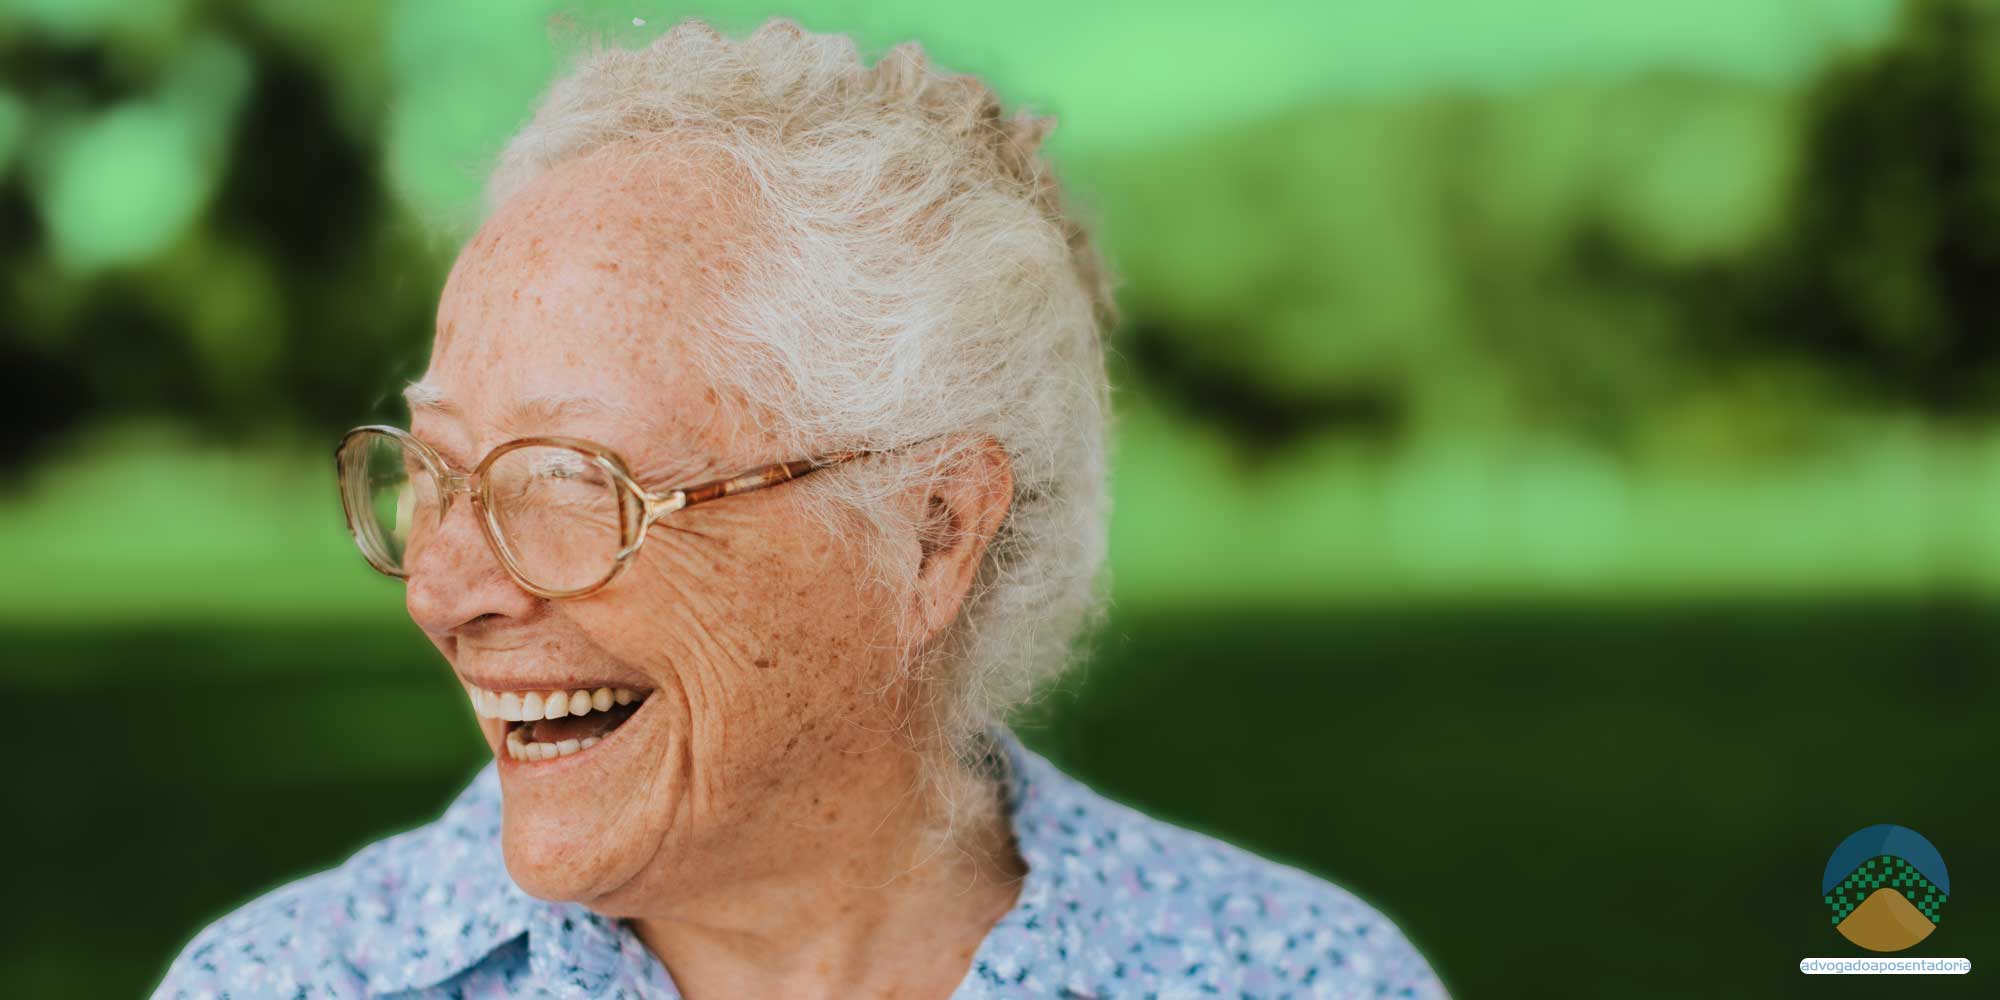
1114, 904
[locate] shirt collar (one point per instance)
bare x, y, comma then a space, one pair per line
442, 900
1039, 945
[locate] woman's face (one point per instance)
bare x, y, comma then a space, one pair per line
758, 646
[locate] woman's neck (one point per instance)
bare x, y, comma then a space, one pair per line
882, 908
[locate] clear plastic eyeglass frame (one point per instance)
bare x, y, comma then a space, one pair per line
640, 509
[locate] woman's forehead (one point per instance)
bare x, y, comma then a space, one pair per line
566, 370
557, 299
570, 311
566, 345
599, 247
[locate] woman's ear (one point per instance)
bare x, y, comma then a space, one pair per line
958, 513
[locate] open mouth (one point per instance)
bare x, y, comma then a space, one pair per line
543, 725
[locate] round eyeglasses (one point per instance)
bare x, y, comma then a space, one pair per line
564, 514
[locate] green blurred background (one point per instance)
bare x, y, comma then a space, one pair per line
1557, 471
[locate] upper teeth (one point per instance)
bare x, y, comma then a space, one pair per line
515, 706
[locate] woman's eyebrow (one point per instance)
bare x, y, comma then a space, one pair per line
547, 408
428, 397
522, 411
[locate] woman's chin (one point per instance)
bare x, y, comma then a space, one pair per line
568, 866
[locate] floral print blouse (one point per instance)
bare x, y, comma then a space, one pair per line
1115, 904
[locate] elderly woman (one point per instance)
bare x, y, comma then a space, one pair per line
757, 473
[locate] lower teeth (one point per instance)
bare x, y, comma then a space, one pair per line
543, 751
575, 733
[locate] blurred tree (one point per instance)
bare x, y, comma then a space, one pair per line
281, 283
1888, 266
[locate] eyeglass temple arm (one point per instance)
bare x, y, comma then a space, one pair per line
757, 479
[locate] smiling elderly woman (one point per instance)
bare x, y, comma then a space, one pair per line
758, 472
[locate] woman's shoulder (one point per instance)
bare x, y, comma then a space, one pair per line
1159, 905
280, 943
339, 932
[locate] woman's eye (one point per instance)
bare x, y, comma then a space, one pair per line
570, 469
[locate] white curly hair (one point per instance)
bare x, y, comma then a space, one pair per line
913, 271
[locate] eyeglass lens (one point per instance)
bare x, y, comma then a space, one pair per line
558, 513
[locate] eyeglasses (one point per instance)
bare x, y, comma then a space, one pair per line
564, 514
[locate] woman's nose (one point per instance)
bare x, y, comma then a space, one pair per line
453, 576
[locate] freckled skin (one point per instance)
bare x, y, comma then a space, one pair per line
749, 816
